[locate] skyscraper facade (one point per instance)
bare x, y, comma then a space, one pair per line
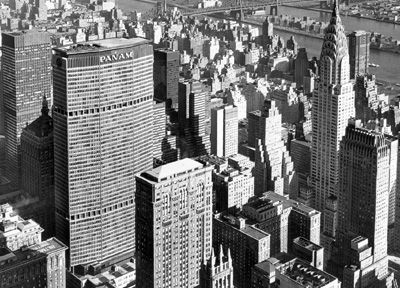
26, 68
333, 105
359, 42
301, 67
166, 76
37, 171
273, 170
224, 131
102, 113
192, 114
174, 214
366, 159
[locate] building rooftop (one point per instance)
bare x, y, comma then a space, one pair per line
266, 266
173, 169
12, 259
297, 206
115, 276
101, 45
305, 274
303, 242
247, 229
42, 126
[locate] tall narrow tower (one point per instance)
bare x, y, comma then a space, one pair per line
102, 113
26, 68
333, 105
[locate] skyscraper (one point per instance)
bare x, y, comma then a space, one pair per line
166, 76
174, 214
192, 114
333, 105
273, 170
301, 67
224, 131
366, 160
359, 42
26, 68
102, 113
37, 165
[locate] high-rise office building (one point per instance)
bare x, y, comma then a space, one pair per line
333, 105
192, 115
359, 42
166, 76
37, 170
26, 68
366, 181
174, 214
273, 170
102, 113
224, 131
301, 67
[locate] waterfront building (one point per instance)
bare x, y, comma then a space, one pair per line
224, 131
333, 105
174, 214
101, 140
26, 68
166, 76
248, 245
37, 165
273, 169
359, 42
367, 185
38, 265
218, 271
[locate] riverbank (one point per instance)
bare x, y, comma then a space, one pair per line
348, 15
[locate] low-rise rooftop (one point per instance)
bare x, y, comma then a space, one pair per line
173, 169
10, 259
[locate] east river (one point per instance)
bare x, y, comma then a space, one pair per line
389, 62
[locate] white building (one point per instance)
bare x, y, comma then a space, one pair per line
224, 131
237, 99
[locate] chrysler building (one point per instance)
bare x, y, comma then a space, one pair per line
333, 105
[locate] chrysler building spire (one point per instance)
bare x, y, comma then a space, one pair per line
335, 70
